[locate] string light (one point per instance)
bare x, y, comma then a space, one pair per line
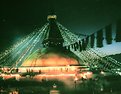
19, 52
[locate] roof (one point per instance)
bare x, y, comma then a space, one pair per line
51, 57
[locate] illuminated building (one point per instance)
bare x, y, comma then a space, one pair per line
53, 58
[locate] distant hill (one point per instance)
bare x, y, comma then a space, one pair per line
117, 57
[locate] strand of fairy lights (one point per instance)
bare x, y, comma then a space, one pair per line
19, 49
40, 33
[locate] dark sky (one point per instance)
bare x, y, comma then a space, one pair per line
20, 17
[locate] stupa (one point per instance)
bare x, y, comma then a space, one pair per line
53, 58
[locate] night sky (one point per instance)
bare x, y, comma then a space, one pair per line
18, 18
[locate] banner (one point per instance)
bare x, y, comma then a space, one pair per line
92, 39
80, 46
87, 41
100, 38
83, 44
118, 31
108, 34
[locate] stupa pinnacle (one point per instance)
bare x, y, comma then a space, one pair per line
53, 37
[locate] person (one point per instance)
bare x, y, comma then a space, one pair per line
40, 71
